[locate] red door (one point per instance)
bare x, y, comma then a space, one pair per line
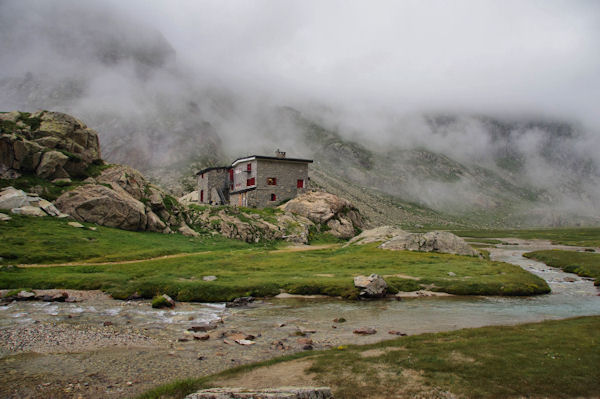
300, 183
201, 195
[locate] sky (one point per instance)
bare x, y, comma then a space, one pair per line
516, 57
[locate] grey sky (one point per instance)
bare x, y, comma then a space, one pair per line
515, 57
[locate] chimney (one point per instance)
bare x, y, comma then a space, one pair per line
280, 154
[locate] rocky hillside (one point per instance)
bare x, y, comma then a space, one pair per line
56, 156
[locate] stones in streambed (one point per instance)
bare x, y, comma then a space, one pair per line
373, 286
239, 302
203, 327
26, 295
267, 393
365, 331
399, 333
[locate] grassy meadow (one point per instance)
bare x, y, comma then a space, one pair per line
241, 269
552, 359
50, 240
583, 237
584, 264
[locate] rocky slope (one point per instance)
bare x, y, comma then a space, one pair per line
55, 154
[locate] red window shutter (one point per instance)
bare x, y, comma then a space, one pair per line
249, 167
300, 183
250, 182
230, 174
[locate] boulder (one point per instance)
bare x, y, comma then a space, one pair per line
121, 177
28, 210
187, 231
378, 234
11, 197
51, 165
154, 223
338, 214
4, 217
101, 205
270, 393
190, 198
433, 241
373, 286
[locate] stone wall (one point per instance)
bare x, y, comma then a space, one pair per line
287, 175
210, 182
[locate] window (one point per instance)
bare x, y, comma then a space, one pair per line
273, 197
251, 181
300, 183
249, 167
271, 181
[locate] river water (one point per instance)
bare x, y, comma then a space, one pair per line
130, 353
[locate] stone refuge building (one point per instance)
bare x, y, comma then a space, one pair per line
256, 181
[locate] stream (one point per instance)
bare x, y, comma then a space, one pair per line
101, 347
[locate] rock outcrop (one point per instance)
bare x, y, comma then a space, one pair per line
252, 225
378, 234
329, 212
121, 197
29, 204
394, 238
373, 286
48, 144
433, 241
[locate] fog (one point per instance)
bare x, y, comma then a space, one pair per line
171, 81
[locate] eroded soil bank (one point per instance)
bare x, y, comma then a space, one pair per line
99, 347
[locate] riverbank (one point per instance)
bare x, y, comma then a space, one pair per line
530, 360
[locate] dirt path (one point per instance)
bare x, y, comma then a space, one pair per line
299, 248
117, 262
295, 248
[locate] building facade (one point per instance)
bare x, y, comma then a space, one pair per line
213, 187
255, 181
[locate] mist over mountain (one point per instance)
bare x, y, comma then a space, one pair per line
480, 112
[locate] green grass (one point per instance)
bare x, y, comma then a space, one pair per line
50, 240
589, 236
553, 359
584, 264
242, 269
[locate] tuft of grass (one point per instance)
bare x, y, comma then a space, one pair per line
160, 301
479, 362
584, 264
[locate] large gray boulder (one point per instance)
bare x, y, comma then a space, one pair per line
378, 234
99, 204
325, 209
11, 197
433, 241
373, 286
